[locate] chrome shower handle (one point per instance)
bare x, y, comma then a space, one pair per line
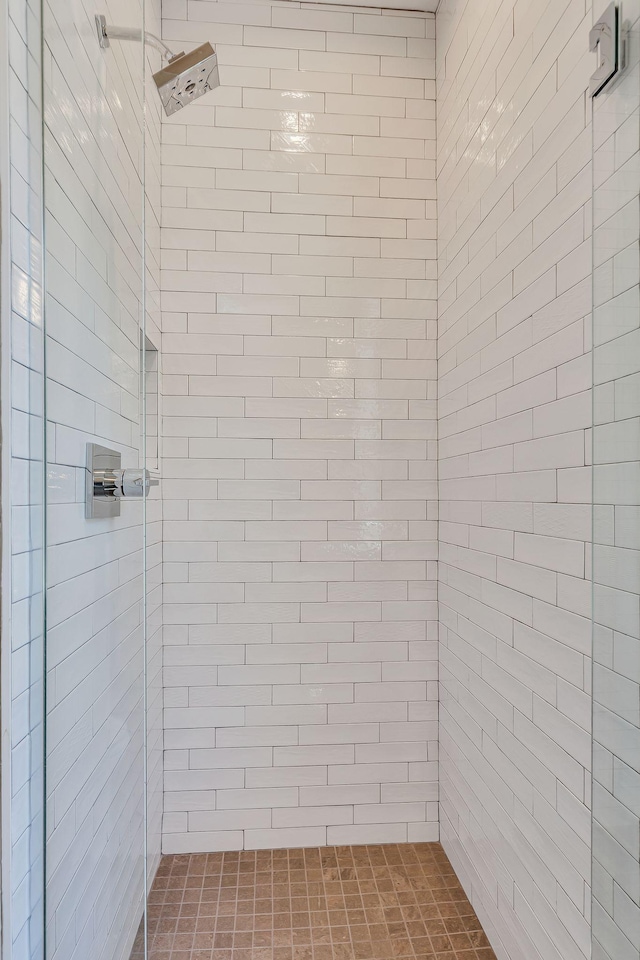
108, 483
120, 484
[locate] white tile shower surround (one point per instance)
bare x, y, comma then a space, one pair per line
95, 609
514, 191
514, 376
299, 471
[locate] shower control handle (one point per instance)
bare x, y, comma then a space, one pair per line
135, 482
108, 483
122, 484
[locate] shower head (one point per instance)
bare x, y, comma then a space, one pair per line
186, 77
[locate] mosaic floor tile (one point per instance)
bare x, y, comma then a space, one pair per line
391, 902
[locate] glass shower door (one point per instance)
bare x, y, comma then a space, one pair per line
616, 497
96, 571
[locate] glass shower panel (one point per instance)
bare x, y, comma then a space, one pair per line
22, 524
616, 511
98, 583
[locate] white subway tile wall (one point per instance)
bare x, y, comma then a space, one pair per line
616, 550
514, 192
299, 467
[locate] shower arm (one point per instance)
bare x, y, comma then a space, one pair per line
106, 33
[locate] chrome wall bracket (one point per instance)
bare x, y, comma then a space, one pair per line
605, 39
107, 483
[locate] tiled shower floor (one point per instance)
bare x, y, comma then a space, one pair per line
332, 903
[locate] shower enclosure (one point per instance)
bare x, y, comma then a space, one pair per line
82, 677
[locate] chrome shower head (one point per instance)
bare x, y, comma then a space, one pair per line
186, 77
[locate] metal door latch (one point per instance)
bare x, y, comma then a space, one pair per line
107, 483
605, 39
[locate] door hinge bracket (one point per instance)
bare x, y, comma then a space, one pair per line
605, 39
